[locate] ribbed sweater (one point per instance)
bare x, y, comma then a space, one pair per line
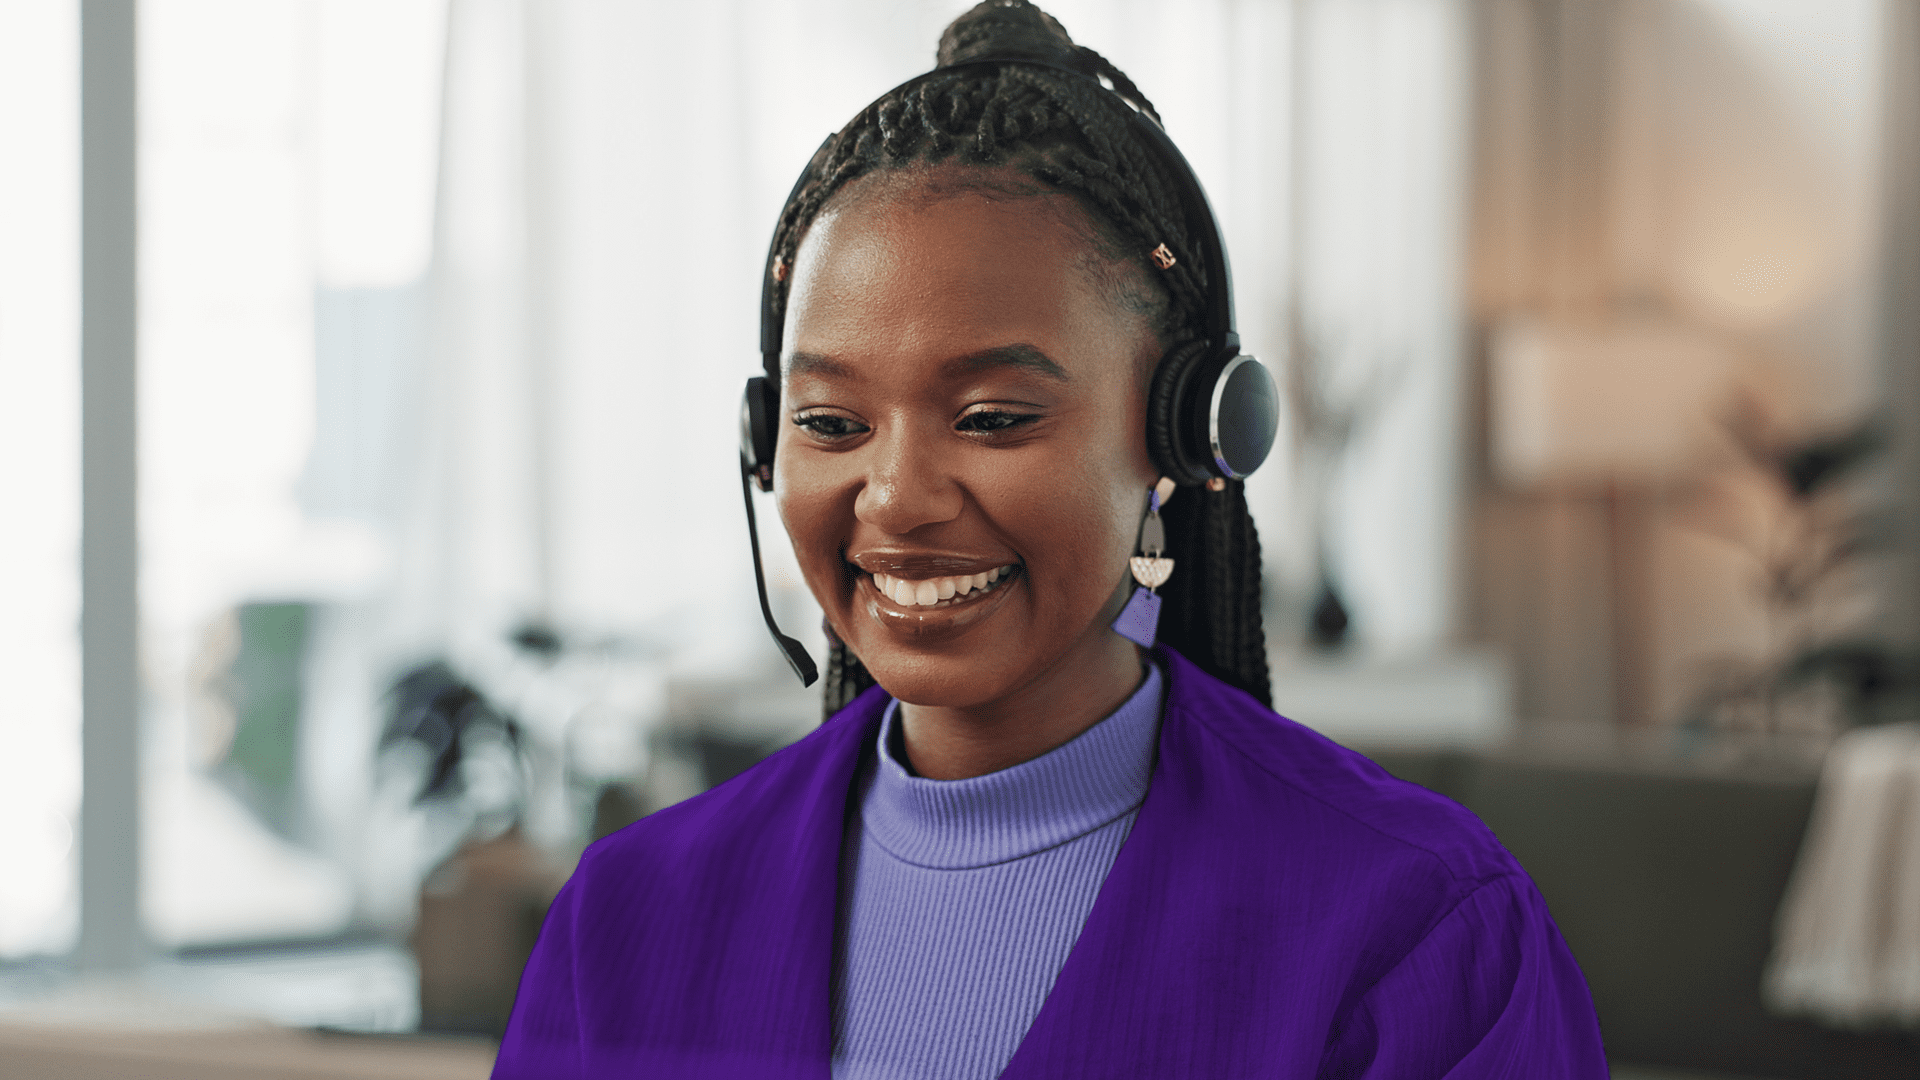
960, 899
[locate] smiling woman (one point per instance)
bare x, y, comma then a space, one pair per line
1050, 829
963, 401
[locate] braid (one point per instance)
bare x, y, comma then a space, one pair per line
1210, 607
1124, 86
1060, 131
1048, 125
846, 679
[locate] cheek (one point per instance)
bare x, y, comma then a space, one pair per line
814, 516
1081, 513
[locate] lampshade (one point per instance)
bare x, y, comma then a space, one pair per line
1631, 401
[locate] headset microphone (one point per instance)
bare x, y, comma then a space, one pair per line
795, 652
759, 408
1212, 411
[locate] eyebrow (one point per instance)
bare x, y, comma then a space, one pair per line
806, 363
1018, 355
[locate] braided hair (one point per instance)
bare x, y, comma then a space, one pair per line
1056, 131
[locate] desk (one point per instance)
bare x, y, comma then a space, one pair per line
30, 1052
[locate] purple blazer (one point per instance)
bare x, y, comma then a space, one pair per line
1282, 908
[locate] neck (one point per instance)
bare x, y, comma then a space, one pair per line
954, 743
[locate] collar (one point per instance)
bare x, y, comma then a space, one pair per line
1067, 792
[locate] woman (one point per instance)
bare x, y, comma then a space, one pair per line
1035, 848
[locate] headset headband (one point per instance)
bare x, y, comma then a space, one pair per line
1220, 328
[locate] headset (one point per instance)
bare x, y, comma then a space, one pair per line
1212, 411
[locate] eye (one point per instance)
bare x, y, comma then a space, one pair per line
828, 427
991, 421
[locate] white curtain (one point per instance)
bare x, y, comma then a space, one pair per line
39, 474
1381, 159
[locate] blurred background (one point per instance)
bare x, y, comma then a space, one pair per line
412, 558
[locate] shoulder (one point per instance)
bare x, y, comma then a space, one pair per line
1304, 784
754, 819
707, 912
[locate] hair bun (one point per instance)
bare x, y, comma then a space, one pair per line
1005, 28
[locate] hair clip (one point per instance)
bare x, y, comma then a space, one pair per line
1163, 257
779, 269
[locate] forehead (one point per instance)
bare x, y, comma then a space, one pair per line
937, 266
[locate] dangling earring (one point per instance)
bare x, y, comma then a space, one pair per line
1139, 621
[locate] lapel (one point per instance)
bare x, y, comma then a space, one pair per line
1169, 977
713, 921
796, 904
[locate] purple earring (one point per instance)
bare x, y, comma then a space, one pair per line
1139, 621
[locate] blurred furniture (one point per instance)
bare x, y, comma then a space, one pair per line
1850, 928
1445, 699
1665, 878
480, 913
339, 1010
261, 1053
1633, 1072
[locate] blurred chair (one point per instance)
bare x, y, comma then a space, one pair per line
1665, 878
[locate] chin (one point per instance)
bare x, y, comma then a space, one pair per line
951, 681
956, 651
973, 671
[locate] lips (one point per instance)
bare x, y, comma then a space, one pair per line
929, 596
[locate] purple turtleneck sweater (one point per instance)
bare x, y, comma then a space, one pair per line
960, 899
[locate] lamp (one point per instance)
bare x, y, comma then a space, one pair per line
1622, 402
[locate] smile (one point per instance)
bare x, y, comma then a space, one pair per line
940, 592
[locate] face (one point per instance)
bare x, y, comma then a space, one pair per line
962, 462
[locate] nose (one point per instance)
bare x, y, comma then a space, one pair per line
907, 485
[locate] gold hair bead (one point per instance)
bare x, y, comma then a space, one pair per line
779, 269
1163, 257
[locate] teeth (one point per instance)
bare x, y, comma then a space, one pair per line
931, 591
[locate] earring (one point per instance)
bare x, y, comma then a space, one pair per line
1139, 621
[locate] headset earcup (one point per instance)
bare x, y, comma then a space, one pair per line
1171, 439
758, 406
